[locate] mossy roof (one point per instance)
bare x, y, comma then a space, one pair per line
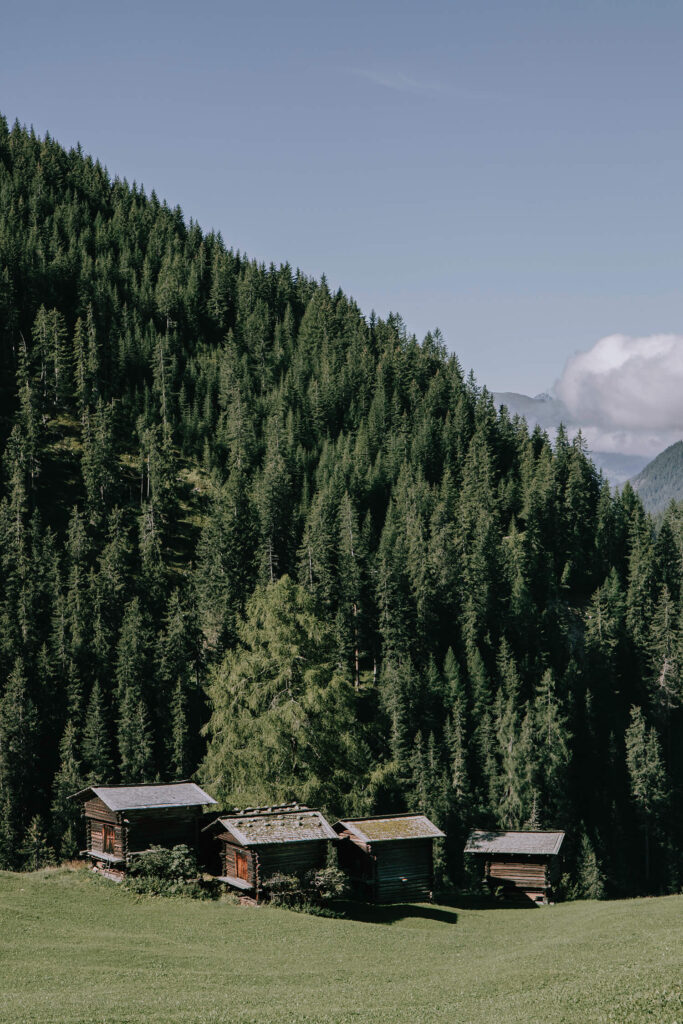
261, 826
391, 827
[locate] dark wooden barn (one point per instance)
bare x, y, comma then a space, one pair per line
389, 859
121, 821
524, 865
259, 842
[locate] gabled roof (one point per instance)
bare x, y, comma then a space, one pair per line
135, 798
286, 823
537, 843
390, 827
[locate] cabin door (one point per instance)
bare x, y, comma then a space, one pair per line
242, 865
108, 838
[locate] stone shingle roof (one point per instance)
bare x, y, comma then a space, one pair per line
391, 827
289, 823
134, 798
533, 843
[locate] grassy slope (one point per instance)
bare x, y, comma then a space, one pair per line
74, 948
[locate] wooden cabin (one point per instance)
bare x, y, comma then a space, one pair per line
525, 865
389, 859
121, 821
259, 842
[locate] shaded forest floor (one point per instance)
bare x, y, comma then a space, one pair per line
75, 949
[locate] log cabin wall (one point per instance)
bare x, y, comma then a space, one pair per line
269, 859
163, 826
554, 871
96, 808
230, 852
96, 838
404, 870
524, 874
291, 858
389, 872
99, 817
135, 831
358, 865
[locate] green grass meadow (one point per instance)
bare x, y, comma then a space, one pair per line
76, 949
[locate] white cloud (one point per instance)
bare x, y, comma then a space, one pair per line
397, 81
627, 393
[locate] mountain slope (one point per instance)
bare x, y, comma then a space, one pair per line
249, 533
661, 481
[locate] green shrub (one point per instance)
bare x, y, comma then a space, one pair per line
325, 884
163, 872
306, 890
283, 890
473, 882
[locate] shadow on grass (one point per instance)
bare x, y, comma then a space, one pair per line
390, 913
485, 902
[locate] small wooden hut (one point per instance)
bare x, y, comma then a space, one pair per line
258, 842
525, 865
389, 859
121, 821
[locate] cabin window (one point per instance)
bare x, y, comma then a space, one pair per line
242, 865
108, 839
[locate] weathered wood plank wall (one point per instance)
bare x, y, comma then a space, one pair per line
404, 870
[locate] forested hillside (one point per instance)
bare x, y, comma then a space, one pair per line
661, 481
251, 533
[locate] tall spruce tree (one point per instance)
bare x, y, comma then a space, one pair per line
66, 813
647, 776
20, 788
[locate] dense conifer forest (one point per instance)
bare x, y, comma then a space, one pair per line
251, 534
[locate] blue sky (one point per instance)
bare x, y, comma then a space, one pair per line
509, 172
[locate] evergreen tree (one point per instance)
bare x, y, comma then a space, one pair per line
35, 850
179, 761
19, 733
646, 772
553, 739
66, 813
666, 674
226, 567
96, 741
134, 738
135, 741
282, 724
590, 880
